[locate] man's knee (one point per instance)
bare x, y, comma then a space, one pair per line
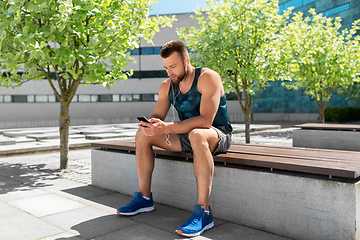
140, 137
197, 138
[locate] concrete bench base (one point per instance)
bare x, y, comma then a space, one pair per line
327, 139
299, 207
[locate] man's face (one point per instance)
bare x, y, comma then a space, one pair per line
175, 67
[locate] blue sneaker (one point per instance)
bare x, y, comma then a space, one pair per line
137, 205
197, 223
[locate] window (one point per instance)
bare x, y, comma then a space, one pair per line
94, 98
41, 98
19, 98
84, 98
30, 98
7, 98
52, 98
126, 97
337, 9
147, 51
148, 97
115, 98
293, 3
105, 98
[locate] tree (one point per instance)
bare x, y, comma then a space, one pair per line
320, 59
239, 39
78, 41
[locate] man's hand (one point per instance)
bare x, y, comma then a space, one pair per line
156, 127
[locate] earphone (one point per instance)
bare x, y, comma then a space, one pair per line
167, 136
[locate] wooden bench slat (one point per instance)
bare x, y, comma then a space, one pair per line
309, 153
297, 165
315, 161
326, 126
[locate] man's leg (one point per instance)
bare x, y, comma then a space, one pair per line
145, 157
142, 200
203, 143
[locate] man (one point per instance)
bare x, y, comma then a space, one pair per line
204, 130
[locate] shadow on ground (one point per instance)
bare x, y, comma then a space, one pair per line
22, 177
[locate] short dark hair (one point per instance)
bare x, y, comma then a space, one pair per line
174, 46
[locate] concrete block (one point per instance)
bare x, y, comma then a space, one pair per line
287, 205
327, 139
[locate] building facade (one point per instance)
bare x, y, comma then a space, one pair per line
35, 105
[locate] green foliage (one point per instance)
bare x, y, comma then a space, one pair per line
79, 40
342, 114
240, 40
320, 59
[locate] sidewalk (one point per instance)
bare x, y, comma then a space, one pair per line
38, 201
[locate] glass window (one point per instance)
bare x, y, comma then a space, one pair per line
156, 97
135, 51
157, 50
147, 51
94, 98
41, 98
7, 98
105, 98
18, 98
115, 98
293, 3
308, 1
30, 98
84, 98
1, 98
126, 97
337, 9
75, 99
148, 97
136, 97
52, 98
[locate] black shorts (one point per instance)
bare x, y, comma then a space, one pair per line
223, 145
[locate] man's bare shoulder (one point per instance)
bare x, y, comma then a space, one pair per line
165, 85
209, 76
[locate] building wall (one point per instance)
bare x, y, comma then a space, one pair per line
275, 103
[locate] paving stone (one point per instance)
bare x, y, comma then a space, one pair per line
20, 193
140, 232
229, 230
22, 226
89, 222
63, 236
44, 205
7, 209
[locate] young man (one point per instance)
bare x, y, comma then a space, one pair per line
204, 130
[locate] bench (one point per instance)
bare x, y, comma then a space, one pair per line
298, 193
327, 136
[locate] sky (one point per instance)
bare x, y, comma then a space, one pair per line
177, 6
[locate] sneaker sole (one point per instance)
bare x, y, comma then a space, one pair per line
207, 227
141, 210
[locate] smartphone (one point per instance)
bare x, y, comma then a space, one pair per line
144, 119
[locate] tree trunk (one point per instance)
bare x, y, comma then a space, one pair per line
64, 134
322, 114
247, 125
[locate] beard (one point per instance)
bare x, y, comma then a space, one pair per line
178, 78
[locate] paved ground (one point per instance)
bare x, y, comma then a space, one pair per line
38, 201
